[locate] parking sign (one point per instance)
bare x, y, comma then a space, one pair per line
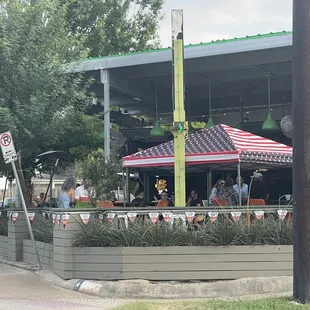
7, 147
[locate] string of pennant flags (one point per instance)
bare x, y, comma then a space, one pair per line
168, 217
188, 216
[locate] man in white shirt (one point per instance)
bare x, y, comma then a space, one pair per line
82, 191
119, 195
244, 188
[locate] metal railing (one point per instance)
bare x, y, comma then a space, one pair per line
122, 211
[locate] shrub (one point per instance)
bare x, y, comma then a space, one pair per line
220, 233
42, 228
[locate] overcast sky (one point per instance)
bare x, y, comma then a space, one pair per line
206, 20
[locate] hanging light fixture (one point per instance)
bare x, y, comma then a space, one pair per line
269, 123
210, 122
157, 131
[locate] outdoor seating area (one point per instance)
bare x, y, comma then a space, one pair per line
219, 148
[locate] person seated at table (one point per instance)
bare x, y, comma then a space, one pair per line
164, 200
215, 190
259, 189
38, 201
67, 194
194, 200
82, 191
139, 200
244, 189
228, 193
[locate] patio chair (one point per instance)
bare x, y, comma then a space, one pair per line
205, 203
220, 202
286, 199
257, 202
106, 204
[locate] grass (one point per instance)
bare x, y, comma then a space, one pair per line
262, 304
220, 233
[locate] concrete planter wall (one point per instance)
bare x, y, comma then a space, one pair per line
4, 246
182, 263
149, 263
46, 253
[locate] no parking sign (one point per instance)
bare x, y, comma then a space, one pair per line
10, 156
7, 147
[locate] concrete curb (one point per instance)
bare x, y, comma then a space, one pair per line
223, 289
21, 265
143, 289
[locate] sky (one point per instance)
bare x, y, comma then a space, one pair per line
207, 20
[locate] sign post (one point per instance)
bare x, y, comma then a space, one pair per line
10, 156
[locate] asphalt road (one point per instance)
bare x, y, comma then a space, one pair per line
24, 290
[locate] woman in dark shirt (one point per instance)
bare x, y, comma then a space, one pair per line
194, 200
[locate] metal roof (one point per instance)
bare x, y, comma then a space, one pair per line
213, 48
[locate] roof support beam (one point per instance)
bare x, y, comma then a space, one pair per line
214, 63
105, 79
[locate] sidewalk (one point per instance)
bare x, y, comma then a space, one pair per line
23, 289
143, 289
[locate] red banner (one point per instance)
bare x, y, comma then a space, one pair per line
236, 216
213, 216
132, 216
154, 217
259, 214
85, 217
190, 216
65, 219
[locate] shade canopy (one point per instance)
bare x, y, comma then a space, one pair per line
218, 145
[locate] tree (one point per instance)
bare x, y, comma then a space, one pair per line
40, 103
112, 27
101, 173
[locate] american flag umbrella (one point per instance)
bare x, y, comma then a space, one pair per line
218, 145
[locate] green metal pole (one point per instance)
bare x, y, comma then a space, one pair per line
180, 126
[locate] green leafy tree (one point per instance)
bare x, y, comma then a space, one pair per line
114, 26
101, 173
40, 103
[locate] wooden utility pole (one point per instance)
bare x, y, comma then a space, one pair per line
180, 126
301, 145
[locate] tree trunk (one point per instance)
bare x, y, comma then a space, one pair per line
20, 174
